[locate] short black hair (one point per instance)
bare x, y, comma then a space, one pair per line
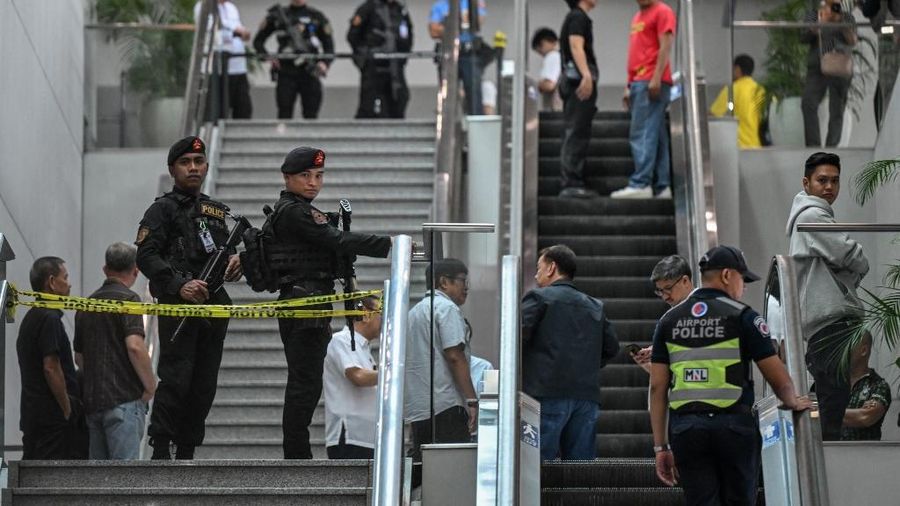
120, 257
563, 257
42, 269
820, 158
367, 303
444, 268
572, 3
670, 268
542, 34
745, 63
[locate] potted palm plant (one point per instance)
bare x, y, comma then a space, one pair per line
157, 61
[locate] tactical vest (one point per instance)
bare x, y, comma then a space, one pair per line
186, 251
702, 336
297, 258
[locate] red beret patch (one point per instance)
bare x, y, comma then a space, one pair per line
319, 160
197, 146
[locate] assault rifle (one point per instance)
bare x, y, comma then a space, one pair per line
348, 273
298, 43
213, 272
390, 46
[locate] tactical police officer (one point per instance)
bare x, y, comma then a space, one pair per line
381, 26
701, 377
300, 30
177, 234
311, 237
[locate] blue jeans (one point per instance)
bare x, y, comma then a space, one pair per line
717, 456
116, 433
568, 429
470, 73
649, 137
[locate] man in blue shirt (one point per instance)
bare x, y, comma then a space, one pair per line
470, 68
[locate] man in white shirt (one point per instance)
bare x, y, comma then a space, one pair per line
349, 383
546, 43
230, 39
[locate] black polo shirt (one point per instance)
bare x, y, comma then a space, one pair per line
109, 378
577, 22
42, 334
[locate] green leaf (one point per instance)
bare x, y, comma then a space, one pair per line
875, 174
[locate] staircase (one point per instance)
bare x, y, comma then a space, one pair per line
617, 242
194, 483
386, 170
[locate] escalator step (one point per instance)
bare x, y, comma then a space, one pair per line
615, 398
600, 128
608, 225
596, 266
614, 375
596, 147
604, 206
624, 445
636, 331
618, 496
611, 287
594, 166
551, 116
550, 186
660, 245
622, 421
600, 473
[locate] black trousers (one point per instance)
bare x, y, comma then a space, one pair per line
49, 436
304, 348
377, 97
188, 371
718, 458
450, 426
295, 80
344, 451
813, 93
239, 96
823, 359
576, 135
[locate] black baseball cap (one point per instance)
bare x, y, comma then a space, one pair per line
727, 257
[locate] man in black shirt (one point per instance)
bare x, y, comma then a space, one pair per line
118, 377
566, 339
313, 36
51, 415
311, 244
176, 237
381, 26
578, 89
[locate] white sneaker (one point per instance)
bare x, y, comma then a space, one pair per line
665, 194
633, 193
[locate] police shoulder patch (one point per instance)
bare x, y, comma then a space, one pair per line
762, 326
142, 234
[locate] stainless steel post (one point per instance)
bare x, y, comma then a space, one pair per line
6, 255
387, 485
810, 455
517, 156
447, 108
508, 421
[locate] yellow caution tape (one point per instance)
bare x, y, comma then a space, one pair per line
274, 309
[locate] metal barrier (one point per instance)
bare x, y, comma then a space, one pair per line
810, 471
510, 383
387, 486
6, 255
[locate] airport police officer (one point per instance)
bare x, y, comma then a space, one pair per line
301, 30
700, 376
311, 237
176, 236
381, 26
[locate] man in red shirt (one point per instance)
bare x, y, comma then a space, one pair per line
647, 95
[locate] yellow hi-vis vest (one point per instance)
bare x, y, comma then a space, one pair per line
702, 336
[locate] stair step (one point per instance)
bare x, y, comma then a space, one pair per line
342, 157
332, 168
189, 496
619, 496
268, 193
339, 149
269, 448
334, 179
265, 429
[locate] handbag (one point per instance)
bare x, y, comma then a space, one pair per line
835, 63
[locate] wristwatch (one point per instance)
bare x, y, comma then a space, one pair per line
662, 448
471, 402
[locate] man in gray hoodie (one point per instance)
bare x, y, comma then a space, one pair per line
830, 266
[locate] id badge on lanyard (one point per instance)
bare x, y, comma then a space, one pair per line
209, 244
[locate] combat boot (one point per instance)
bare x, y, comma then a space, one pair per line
161, 449
184, 452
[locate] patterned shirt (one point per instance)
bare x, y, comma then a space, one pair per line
870, 387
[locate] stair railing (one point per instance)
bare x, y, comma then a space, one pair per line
448, 150
6, 255
387, 484
692, 182
200, 71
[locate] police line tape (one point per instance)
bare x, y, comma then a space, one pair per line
274, 309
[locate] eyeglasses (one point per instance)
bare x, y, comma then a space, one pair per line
667, 290
465, 281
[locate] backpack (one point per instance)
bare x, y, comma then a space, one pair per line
254, 258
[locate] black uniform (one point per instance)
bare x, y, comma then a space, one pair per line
317, 242
171, 252
381, 26
297, 76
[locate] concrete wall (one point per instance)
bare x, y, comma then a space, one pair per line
41, 54
858, 473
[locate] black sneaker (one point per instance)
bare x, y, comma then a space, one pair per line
184, 452
161, 449
578, 193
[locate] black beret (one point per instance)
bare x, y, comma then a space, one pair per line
303, 158
190, 144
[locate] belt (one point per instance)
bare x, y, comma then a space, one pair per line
738, 409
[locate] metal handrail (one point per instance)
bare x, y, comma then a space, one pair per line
810, 455
510, 380
447, 155
198, 81
848, 227
387, 485
753, 24
166, 27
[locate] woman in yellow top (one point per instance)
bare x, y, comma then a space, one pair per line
748, 97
